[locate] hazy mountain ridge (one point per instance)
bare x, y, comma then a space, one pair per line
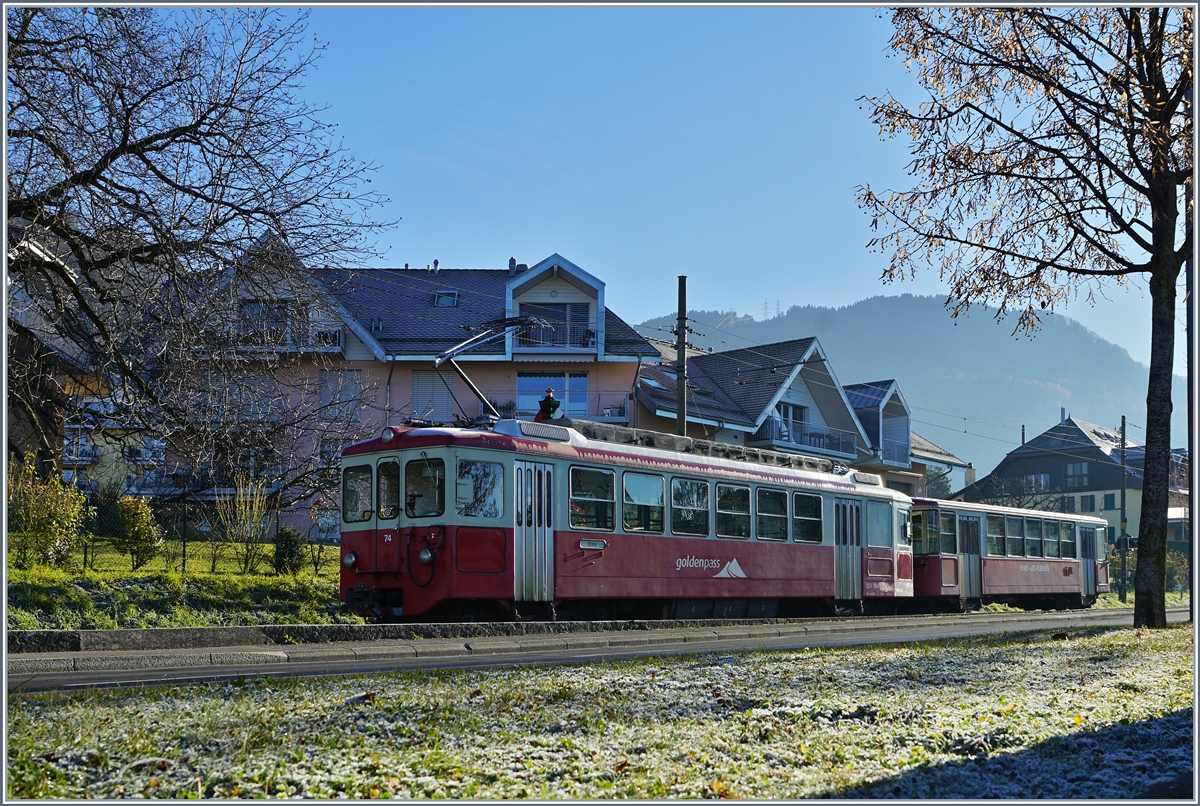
972, 367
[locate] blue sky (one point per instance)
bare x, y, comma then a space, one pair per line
641, 144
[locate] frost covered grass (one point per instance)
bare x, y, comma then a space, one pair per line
45, 599
1101, 713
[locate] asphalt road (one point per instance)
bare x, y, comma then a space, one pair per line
67, 671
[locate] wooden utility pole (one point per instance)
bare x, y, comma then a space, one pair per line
1123, 540
681, 360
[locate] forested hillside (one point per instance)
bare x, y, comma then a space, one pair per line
970, 383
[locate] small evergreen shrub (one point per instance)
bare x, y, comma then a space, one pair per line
141, 538
289, 550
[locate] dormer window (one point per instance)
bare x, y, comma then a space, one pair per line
445, 299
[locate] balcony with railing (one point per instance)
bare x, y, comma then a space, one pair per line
597, 406
148, 454
557, 336
79, 453
896, 452
806, 438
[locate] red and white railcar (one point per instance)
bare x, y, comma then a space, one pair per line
968, 554
535, 520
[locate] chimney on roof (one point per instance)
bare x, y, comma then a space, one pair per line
969, 475
406, 267
435, 266
1062, 414
1022, 433
512, 266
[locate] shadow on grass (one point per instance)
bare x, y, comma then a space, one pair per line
1119, 761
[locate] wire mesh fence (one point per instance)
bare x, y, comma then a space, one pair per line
196, 539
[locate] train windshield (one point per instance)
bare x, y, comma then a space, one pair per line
425, 485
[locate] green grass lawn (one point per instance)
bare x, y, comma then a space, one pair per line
1087, 713
102, 600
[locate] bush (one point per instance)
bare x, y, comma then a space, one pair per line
141, 538
289, 550
45, 517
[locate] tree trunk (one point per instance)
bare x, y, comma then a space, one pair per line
1150, 581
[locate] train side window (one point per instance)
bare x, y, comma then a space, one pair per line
995, 536
903, 530
806, 518
1066, 543
1050, 539
733, 511
356, 494
593, 501
425, 485
879, 525
644, 503
689, 507
389, 490
1015, 530
772, 515
479, 492
949, 533
1033, 538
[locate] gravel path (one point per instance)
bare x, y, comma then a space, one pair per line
1100, 713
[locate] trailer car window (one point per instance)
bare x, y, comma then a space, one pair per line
772, 515
356, 494
806, 518
995, 536
879, 525
733, 511
1050, 540
480, 489
593, 499
949, 533
389, 490
1033, 538
425, 488
689, 507
1015, 529
903, 530
1067, 542
644, 503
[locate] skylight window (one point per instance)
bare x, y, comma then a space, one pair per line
445, 299
652, 383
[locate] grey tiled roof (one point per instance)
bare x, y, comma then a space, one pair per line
399, 302
706, 399
924, 450
734, 386
1075, 435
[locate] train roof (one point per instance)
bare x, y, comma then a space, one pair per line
649, 450
968, 506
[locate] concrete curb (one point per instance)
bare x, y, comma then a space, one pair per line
50, 663
243, 646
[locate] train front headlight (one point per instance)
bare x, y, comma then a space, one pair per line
348, 559
425, 556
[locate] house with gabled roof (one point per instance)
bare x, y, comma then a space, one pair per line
400, 320
786, 397
1076, 466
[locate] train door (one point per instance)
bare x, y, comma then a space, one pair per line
969, 559
387, 523
847, 539
1087, 559
533, 538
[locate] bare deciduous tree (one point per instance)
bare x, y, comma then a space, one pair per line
149, 152
1050, 157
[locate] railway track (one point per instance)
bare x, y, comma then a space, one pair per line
206, 654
